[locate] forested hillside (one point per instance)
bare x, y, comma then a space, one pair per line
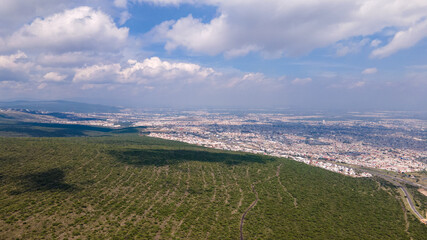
127, 187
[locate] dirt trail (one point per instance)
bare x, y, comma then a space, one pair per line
283, 186
247, 210
257, 198
214, 183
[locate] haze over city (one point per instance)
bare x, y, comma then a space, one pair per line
354, 55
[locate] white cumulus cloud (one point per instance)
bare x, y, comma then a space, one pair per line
54, 77
16, 67
12, 61
78, 29
403, 40
97, 73
293, 27
150, 70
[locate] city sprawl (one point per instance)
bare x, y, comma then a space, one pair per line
386, 140
376, 141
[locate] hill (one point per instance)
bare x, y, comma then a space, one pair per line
10, 127
59, 106
128, 186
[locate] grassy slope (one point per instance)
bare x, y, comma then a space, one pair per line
14, 128
139, 187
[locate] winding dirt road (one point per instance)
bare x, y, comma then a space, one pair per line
247, 210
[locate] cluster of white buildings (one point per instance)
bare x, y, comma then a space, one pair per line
247, 147
334, 167
211, 131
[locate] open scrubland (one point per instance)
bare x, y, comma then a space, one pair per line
129, 186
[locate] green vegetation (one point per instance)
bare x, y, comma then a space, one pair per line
420, 200
10, 128
126, 187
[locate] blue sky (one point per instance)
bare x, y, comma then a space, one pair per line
329, 54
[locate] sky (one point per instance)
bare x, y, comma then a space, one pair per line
310, 54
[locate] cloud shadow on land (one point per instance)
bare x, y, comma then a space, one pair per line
157, 157
50, 180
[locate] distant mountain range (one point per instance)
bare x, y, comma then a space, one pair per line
59, 106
